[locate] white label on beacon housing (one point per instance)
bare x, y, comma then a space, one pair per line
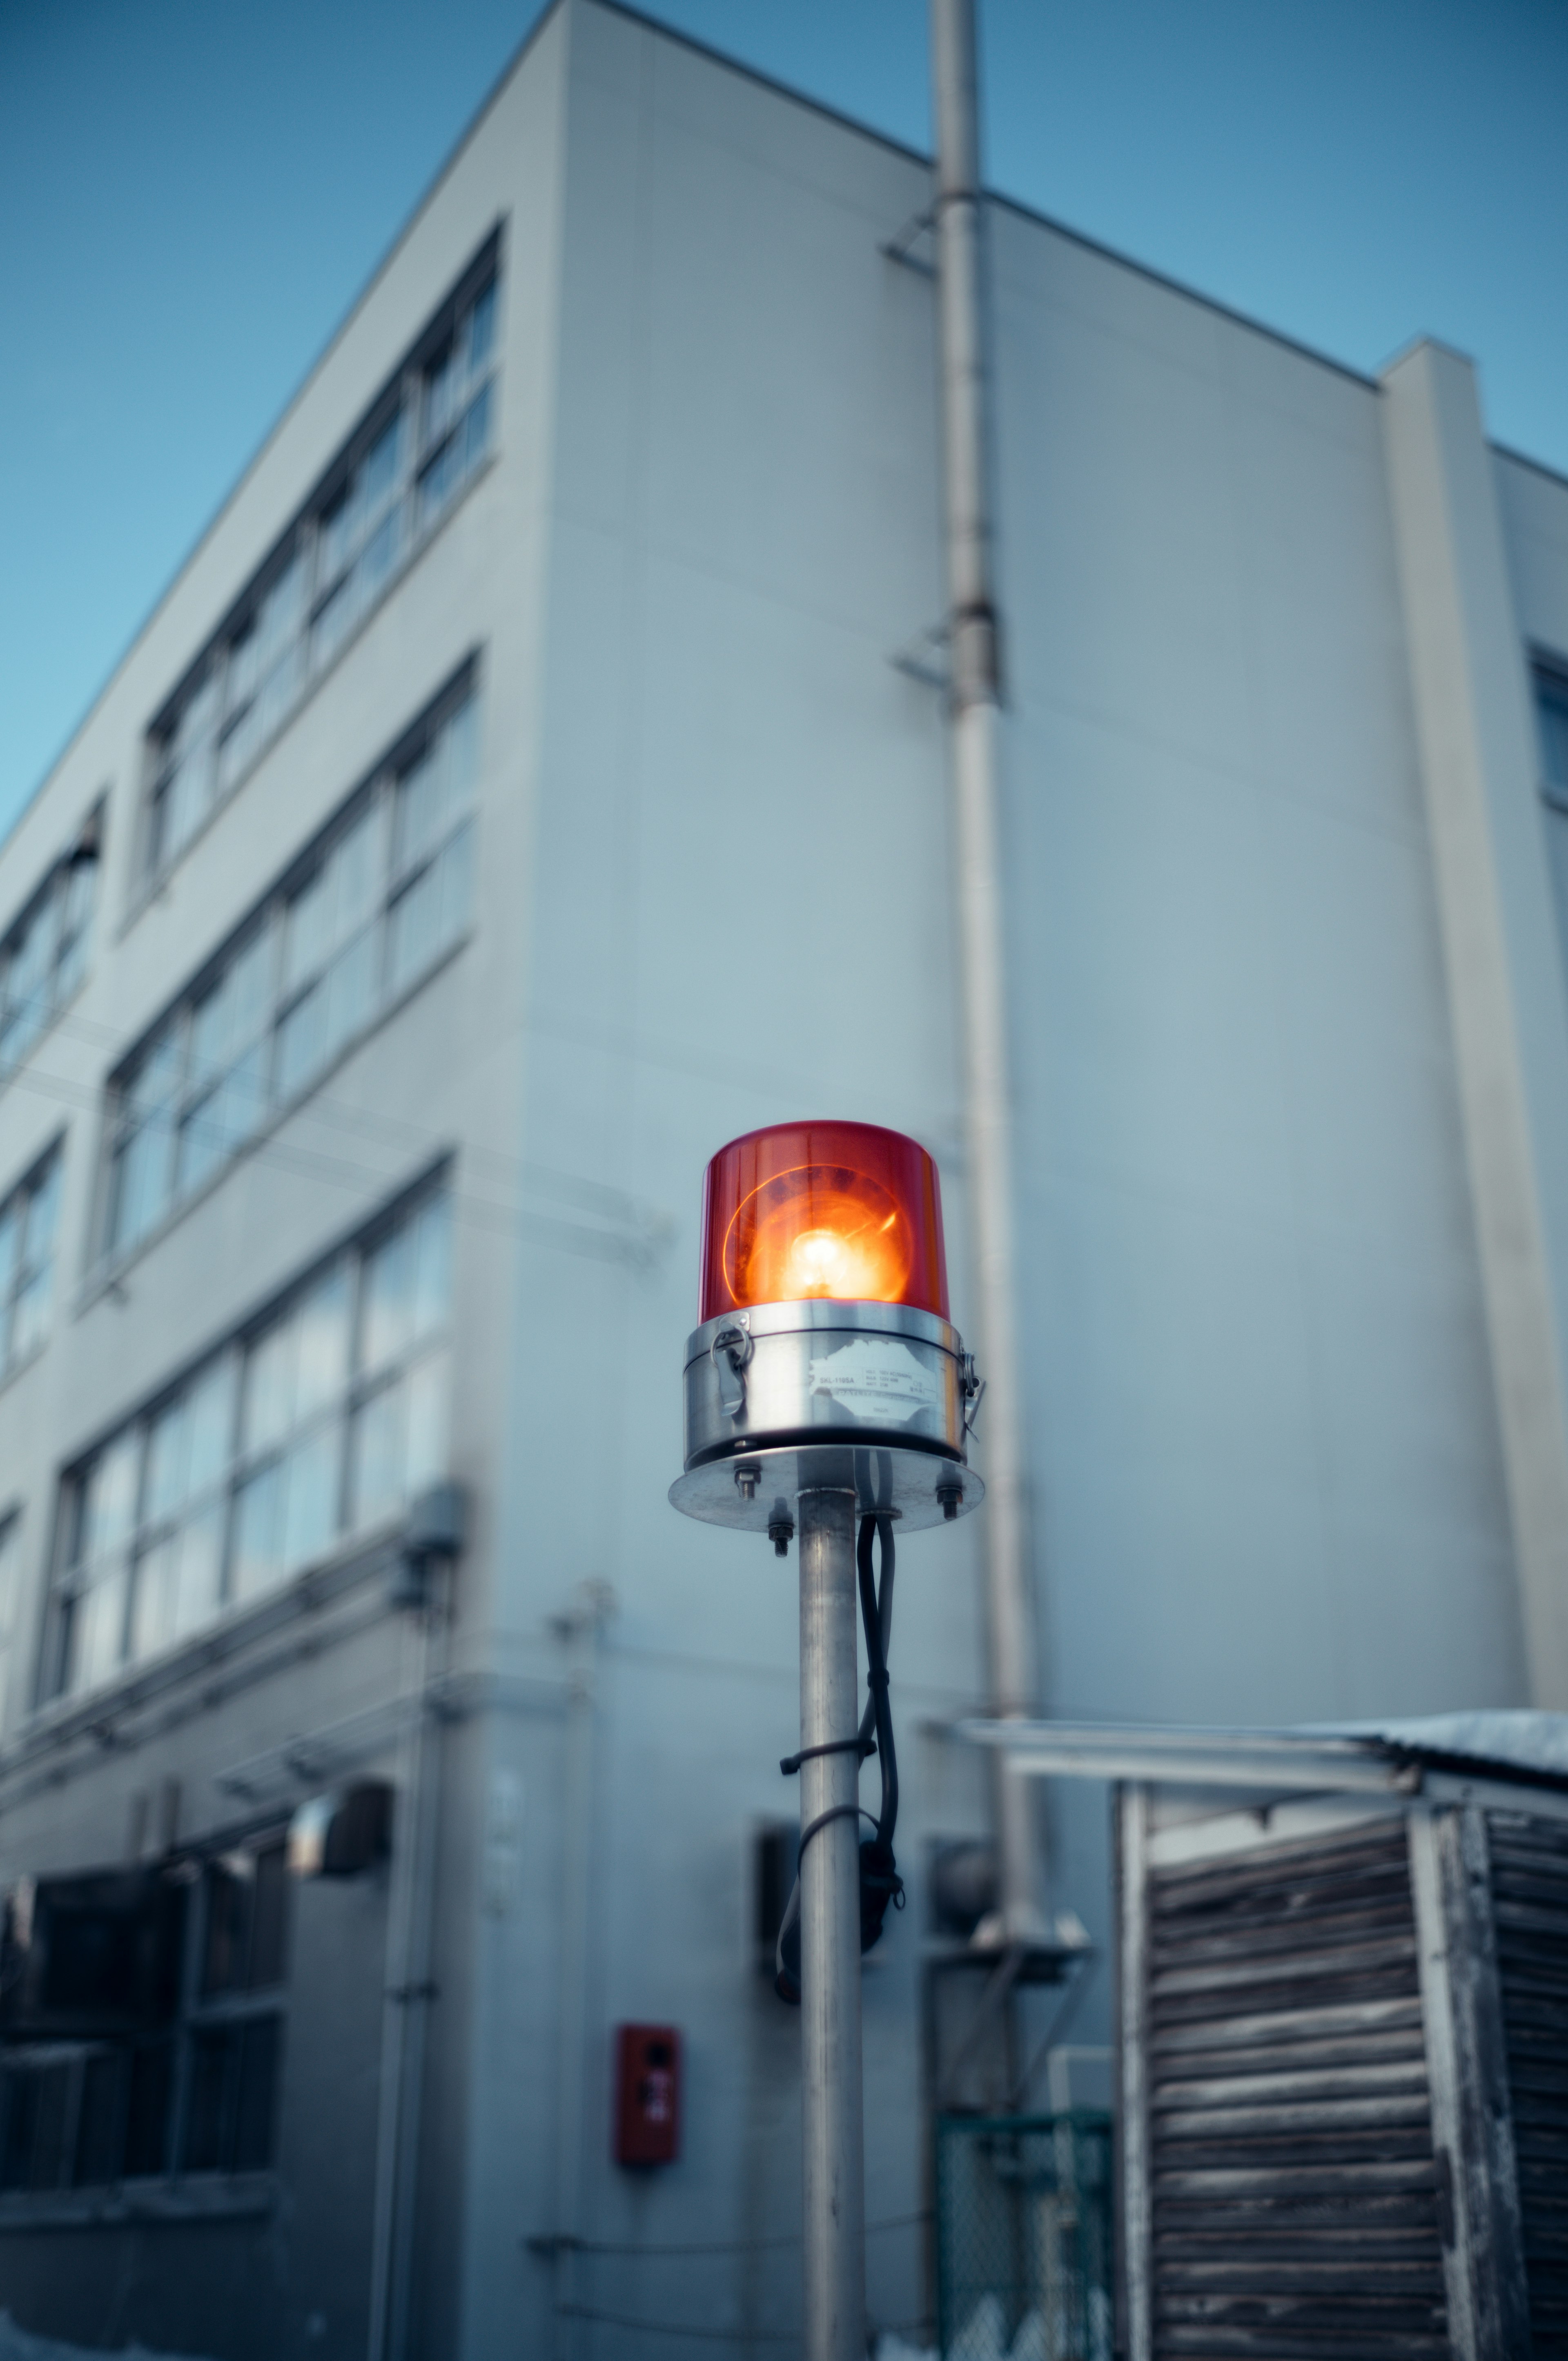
876, 1378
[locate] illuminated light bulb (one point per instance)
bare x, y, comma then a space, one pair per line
817, 1264
820, 1230
845, 1212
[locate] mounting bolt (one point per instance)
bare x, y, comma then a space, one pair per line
781, 1533
950, 1492
746, 1476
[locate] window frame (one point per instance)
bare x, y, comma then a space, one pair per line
186, 1096
77, 1572
198, 2015
64, 965
46, 1171
306, 542
1549, 676
11, 1528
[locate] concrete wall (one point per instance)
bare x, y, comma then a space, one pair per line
1480, 760
1269, 1478
741, 914
1267, 1466
440, 1076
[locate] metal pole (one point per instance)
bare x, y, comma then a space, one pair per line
831, 1936
975, 691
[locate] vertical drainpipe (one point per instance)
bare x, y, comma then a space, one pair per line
406, 2000
975, 713
579, 1627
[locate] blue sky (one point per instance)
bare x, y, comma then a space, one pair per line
191, 191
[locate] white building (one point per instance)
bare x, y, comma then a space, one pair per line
515, 797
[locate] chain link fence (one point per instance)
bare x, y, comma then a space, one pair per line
1024, 2253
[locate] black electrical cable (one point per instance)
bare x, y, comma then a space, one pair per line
790, 1763
551, 2244
880, 1882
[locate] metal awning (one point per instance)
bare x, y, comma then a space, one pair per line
1438, 1757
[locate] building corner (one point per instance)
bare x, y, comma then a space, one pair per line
1507, 1002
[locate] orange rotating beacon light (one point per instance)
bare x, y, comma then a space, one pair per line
825, 1330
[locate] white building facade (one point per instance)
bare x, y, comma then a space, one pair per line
525, 787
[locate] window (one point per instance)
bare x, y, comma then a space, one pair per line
10, 1602
1551, 708
132, 2053
1552, 714
396, 478
43, 955
385, 892
454, 406
27, 1221
319, 1422
235, 2028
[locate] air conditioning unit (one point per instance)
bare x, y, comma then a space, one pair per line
344, 1832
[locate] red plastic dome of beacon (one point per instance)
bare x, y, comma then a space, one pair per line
845, 1211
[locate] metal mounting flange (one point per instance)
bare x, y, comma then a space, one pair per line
757, 1490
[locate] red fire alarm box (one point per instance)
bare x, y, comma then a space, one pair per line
647, 2094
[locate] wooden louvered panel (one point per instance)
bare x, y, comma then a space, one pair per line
1530, 1916
1296, 2197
